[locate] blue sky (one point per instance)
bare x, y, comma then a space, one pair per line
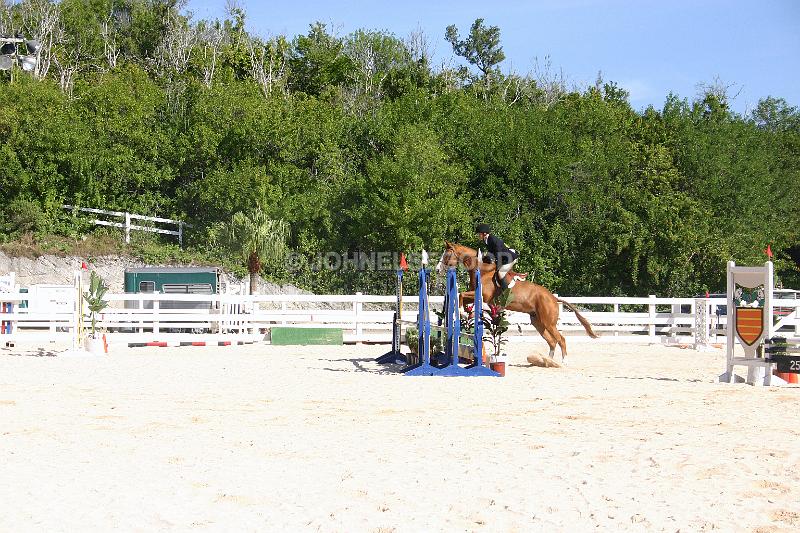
649, 47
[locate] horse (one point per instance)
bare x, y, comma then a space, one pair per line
527, 297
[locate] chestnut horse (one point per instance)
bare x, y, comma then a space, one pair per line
529, 298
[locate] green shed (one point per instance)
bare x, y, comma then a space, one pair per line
175, 280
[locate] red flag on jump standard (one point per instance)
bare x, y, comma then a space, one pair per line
403, 263
768, 251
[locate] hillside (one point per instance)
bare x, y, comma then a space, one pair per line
58, 270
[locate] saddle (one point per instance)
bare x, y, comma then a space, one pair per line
511, 278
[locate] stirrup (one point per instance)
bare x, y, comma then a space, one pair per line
496, 280
501, 282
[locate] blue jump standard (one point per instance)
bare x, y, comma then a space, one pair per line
421, 365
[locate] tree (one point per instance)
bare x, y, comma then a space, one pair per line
318, 61
269, 63
210, 39
361, 145
481, 47
775, 114
94, 299
256, 239
410, 197
374, 55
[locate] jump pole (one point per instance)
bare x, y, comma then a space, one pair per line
420, 364
8, 326
749, 322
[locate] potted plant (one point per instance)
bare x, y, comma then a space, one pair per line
495, 323
467, 326
466, 323
412, 341
95, 304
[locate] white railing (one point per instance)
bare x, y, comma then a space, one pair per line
128, 217
364, 318
49, 323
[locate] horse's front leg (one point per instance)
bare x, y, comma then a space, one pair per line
465, 298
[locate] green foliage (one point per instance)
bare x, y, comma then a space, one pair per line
495, 324
480, 48
93, 297
318, 62
410, 196
24, 216
256, 239
412, 341
360, 145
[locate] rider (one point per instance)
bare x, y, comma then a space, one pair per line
498, 253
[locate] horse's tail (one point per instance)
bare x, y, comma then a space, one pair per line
585, 323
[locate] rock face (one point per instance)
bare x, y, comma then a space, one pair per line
55, 270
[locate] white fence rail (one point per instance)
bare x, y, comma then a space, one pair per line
364, 318
128, 217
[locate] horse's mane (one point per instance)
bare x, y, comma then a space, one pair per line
472, 251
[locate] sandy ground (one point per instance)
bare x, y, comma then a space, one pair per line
246, 438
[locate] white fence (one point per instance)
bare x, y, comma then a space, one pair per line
364, 318
128, 217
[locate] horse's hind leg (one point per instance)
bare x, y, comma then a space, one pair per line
544, 333
562, 343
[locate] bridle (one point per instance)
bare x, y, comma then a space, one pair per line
449, 259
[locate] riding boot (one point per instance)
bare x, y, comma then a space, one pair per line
502, 283
496, 279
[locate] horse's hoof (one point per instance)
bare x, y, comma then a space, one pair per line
542, 361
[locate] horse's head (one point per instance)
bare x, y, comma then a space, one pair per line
448, 258
453, 255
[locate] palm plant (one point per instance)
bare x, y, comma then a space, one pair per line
94, 299
257, 239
